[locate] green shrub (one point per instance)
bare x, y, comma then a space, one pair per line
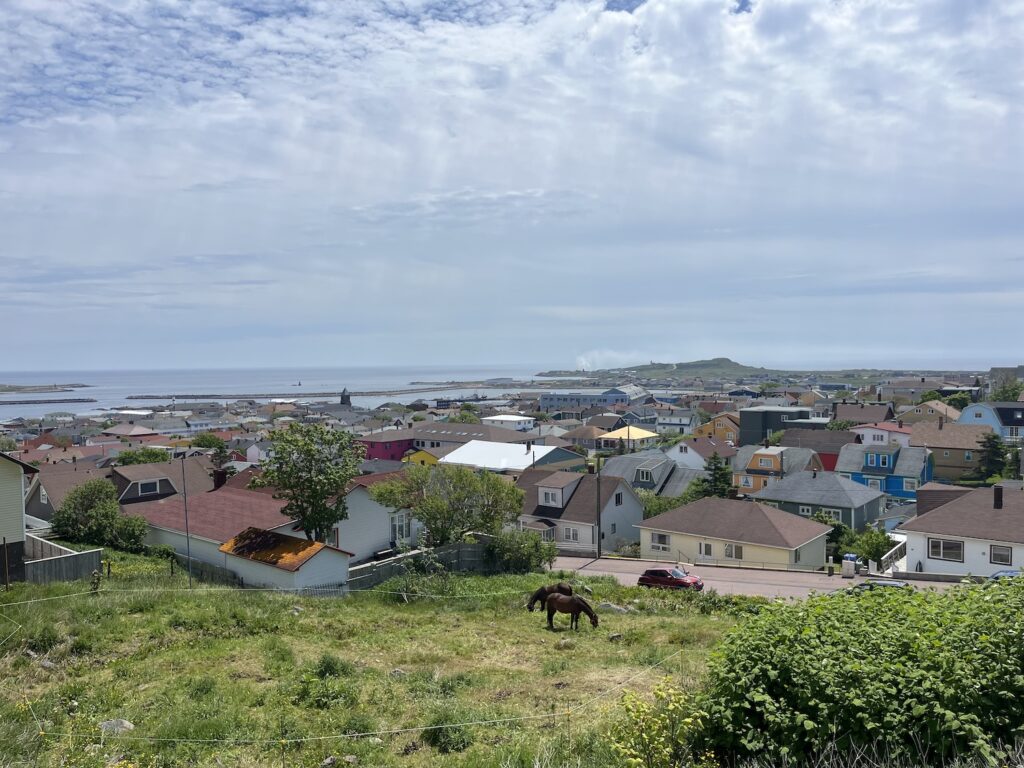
453, 738
329, 665
90, 514
45, 639
521, 552
908, 674
324, 693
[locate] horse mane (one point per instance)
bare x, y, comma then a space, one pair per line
585, 605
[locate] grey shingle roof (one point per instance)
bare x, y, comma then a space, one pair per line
821, 489
974, 516
909, 461
740, 521
793, 459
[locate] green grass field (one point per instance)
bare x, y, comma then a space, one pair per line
219, 677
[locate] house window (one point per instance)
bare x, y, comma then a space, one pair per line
977, 414
999, 555
571, 534
968, 455
945, 454
767, 463
909, 484
149, 487
730, 436
704, 549
549, 498
833, 513
883, 460
796, 555
548, 535
945, 549
43, 498
644, 476
871, 459
734, 551
805, 511
613, 529
401, 526
618, 499
878, 438
845, 474
875, 483
747, 481
659, 541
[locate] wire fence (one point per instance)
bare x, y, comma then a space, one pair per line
565, 712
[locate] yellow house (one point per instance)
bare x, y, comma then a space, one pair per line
633, 438
738, 533
724, 428
755, 466
428, 457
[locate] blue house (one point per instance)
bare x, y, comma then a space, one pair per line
894, 470
1006, 419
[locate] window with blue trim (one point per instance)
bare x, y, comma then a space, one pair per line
883, 461
871, 459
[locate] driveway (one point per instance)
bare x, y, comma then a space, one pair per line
739, 581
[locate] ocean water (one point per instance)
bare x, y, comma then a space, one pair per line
111, 389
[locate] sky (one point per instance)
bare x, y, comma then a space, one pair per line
801, 183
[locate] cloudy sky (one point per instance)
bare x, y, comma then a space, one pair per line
189, 183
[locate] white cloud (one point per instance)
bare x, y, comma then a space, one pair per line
439, 181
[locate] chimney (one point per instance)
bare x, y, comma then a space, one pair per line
900, 423
220, 476
940, 422
997, 497
590, 469
922, 379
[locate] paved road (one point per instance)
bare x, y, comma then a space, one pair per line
741, 581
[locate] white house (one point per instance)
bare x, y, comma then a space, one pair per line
883, 433
563, 508
510, 421
510, 457
978, 533
268, 559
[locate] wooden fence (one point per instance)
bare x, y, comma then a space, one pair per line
47, 562
456, 558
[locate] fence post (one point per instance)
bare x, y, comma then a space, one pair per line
7, 568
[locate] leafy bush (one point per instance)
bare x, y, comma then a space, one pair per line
90, 514
454, 738
207, 440
144, 455
521, 551
659, 732
325, 693
904, 673
329, 665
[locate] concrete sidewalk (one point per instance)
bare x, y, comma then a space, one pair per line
739, 581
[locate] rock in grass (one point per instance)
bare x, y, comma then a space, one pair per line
606, 606
350, 759
398, 673
116, 726
565, 644
329, 761
615, 637
47, 664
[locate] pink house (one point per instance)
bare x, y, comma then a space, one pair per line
390, 445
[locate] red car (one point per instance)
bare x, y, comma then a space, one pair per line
670, 578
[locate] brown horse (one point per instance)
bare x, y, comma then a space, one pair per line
573, 605
541, 595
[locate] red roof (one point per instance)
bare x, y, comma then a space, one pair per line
219, 515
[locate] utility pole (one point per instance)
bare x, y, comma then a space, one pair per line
188, 543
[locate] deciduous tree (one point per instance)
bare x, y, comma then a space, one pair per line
145, 455
451, 501
310, 469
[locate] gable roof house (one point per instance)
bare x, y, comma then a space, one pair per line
754, 467
511, 457
892, 469
694, 454
725, 427
978, 533
731, 532
649, 470
825, 442
956, 448
52, 483
145, 482
606, 422
672, 420
861, 413
584, 437
563, 508
807, 493
933, 410
1006, 419
883, 433
631, 438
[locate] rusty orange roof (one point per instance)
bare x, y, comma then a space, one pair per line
285, 552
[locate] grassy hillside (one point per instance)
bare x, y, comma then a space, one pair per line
224, 668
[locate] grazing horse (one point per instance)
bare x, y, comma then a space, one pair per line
541, 595
574, 605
